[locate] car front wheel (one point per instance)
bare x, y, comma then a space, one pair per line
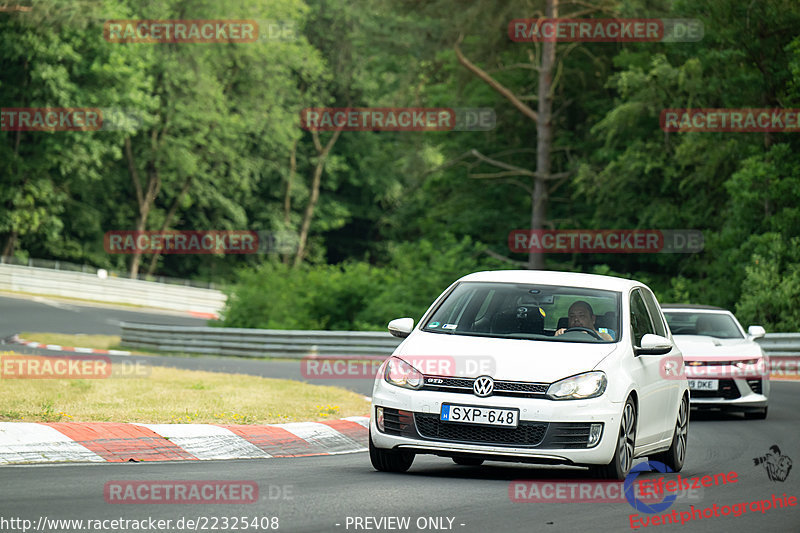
389, 460
621, 463
676, 453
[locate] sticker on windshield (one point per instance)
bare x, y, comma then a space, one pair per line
610, 332
450, 326
433, 325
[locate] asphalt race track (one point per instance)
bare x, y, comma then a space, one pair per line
51, 315
329, 493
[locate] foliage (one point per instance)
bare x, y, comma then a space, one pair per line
400, 215
353, 295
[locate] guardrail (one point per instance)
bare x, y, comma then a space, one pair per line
300, 343
780, 344
258, 342
54, 264
111, 290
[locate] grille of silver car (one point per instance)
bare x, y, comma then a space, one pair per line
521, 389
755, 385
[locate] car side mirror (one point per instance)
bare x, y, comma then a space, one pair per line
653, 345
401, 327
756, 332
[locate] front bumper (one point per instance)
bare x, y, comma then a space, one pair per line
741, 394
549, 432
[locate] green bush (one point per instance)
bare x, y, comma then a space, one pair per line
772, 284
362, 297
355, 295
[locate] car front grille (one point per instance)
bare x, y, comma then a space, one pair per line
526, 434
726, 390
519, 389
755, 385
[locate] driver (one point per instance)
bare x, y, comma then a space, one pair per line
581, 316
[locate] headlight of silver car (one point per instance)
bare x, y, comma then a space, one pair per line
580, 387
402, 374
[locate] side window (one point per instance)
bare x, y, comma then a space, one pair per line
655, 312
640, 318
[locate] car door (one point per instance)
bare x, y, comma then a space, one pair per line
672, 387
654, 391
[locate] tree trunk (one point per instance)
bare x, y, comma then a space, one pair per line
168, 221
322, 156
544, 138
144, 200
287, 198
8, 249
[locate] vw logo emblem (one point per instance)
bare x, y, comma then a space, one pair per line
483, 386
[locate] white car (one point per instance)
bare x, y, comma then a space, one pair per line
501, 368
726, 367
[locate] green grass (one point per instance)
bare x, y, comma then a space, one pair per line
169, 395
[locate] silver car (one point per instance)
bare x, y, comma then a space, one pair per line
726, 368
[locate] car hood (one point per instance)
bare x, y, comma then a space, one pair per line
703, 348
502, 359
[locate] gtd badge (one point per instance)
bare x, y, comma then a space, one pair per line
483, 386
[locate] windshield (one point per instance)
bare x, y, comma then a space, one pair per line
524, 311
719, 325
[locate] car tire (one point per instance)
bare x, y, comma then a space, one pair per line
761, 414
468, 461
622, 461
389, 460
675, 456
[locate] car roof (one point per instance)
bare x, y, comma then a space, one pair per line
693, 307
550, 277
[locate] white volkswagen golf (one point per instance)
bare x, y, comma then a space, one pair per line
533, 366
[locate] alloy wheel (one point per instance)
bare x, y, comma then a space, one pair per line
627, 437
682, 430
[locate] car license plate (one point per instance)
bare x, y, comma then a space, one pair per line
703, 384
485, 416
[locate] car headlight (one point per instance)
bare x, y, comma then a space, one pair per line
580, 387
400, 373
749, 362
